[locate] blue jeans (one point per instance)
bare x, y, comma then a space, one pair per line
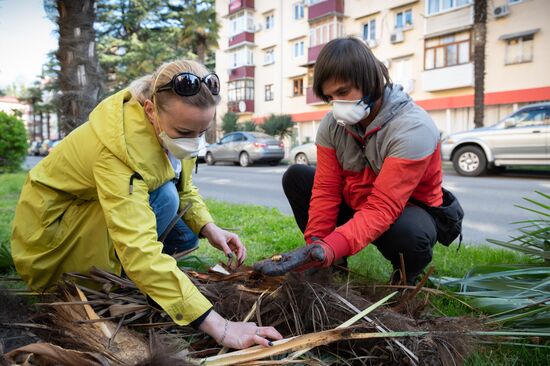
165, 202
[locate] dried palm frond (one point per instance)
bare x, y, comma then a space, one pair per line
298, 306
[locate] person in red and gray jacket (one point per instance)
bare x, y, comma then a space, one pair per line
376, 152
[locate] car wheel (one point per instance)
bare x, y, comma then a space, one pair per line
244, 159
470, 161
209, 159
301, 158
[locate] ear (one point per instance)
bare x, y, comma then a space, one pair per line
149, 109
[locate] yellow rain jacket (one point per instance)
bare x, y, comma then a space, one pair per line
76, 209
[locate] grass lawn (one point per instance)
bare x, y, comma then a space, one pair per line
266, 231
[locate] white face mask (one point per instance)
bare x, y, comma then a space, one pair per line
350, 112
183, 148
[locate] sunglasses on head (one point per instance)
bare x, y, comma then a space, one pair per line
187, 84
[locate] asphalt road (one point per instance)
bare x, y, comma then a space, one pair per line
488, 201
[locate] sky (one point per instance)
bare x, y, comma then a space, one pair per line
26, 37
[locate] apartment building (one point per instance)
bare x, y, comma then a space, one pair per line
268, 48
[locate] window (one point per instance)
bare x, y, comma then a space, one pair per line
298, 11
404, 19
241, 56
438, 6
244, 22
519, 50
448, 50
270, 21
298, 49
268, 92
310, 72
530, 118
227, 139
323, 33
239, 137
369, 30
401, 70
512, 2
240, 90
269, 57
297, 87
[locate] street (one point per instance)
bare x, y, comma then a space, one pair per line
488, 201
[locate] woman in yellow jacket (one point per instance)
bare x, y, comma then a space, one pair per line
103, 197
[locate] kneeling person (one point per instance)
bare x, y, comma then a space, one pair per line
377, 151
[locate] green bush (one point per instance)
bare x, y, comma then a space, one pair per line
278, 125
229, 122
247, 126
13, 143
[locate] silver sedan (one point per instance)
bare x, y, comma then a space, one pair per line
304, 154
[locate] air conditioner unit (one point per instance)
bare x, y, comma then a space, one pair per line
258, 27
372, 43
501, 11
397, 36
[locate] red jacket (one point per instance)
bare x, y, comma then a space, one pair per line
376, 174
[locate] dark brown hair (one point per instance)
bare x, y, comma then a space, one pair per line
349, 59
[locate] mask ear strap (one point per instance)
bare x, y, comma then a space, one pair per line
367, 101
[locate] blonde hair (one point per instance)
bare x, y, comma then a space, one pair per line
144, 88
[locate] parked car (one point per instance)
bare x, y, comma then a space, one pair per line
52, 145
45, 147
522, 138
246, 148
304, 154
34, 148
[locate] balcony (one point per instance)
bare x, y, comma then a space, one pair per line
324, 9
313, 53
241, 72
242, 106
311, 98
448, 78
244, 37
451, 21
236, 5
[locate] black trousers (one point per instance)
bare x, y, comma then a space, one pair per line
413, 233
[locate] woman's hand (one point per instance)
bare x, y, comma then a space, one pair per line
225, 241
237, 335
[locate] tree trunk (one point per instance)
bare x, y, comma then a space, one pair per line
48, 113
480, 36
79, 78
41, 125
33, 114
60, 133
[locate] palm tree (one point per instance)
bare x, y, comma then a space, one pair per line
79, 78
196, 29
480, 36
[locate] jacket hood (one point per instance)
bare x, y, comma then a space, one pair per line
395, 102
121, 125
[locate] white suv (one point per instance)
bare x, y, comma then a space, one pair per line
523, 138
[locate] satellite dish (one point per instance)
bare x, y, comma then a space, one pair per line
242, 106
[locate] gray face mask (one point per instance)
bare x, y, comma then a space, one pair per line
183, 148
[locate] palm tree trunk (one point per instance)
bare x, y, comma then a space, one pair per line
41, 125
48, 113
79, 78
480, 36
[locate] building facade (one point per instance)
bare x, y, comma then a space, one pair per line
268, 48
